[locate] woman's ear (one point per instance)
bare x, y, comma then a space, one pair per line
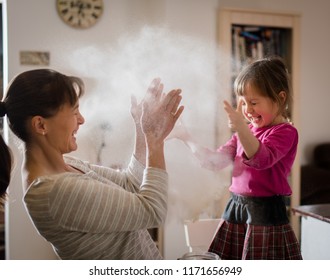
38, 125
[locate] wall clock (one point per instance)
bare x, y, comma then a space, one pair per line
80, 13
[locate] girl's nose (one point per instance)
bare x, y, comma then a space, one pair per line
249, 108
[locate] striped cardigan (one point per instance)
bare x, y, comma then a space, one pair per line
101, 214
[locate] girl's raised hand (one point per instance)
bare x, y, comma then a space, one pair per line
235, 116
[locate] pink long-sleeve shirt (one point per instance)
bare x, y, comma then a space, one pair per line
266, 173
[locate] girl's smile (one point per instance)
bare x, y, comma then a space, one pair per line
258, 109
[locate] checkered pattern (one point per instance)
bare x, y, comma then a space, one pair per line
255, 242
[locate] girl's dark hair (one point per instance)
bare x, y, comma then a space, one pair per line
40, 92
270, 76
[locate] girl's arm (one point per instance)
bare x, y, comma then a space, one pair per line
214, 160
237, 123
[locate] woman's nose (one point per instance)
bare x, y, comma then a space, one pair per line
81, 119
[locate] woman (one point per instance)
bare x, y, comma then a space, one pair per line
87, 211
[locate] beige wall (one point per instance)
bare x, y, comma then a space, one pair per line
195, 17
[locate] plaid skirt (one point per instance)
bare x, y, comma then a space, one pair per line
255, 229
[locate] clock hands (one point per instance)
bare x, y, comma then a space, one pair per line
80, 13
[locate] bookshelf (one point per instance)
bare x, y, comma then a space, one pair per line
251, 42
246, 35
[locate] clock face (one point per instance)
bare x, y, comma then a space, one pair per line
80, 13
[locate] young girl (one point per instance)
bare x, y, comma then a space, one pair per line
254, 224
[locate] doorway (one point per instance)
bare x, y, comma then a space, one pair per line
2, 214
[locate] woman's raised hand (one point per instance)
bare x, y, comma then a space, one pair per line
154, 92
160, 111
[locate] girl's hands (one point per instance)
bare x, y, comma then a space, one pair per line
236, 120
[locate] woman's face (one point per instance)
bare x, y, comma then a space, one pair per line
62, 128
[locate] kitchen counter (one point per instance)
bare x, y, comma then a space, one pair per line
317, 211
315, 231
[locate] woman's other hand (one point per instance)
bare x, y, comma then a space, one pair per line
160, 111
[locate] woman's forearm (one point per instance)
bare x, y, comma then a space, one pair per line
155, 155
140, 145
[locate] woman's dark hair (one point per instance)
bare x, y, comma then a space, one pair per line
40, 92
270, 76
5, 167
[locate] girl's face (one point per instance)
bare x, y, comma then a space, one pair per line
63, 127
259, 110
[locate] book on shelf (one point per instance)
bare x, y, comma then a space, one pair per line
250, 43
